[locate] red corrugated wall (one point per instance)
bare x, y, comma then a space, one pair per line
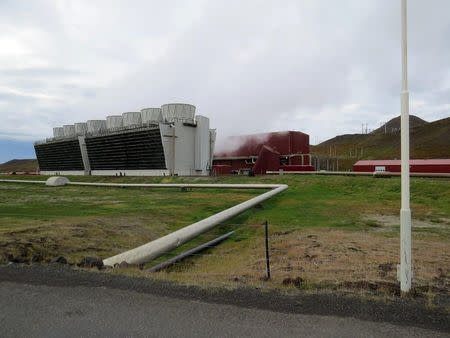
416, 166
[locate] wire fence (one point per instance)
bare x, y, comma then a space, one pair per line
307, 257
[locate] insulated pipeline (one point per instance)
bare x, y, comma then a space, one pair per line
154, 249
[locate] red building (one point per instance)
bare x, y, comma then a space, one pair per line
415, 166
260, 153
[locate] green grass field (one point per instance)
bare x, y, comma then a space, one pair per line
339, 221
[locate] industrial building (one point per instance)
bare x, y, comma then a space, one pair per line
170, 140
259, 153
415, 166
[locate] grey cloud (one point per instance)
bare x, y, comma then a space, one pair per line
15, 98
250, 66
26, 73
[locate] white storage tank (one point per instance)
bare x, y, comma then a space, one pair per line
58, 132
178, 111
114, 121
131, 118
96, 125
149, 115
69, 130
80, 128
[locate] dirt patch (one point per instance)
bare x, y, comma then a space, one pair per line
389, 287
347, 256
394, 220
385, 268
297, 282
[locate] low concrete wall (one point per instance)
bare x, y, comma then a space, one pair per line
66, 172
117, 172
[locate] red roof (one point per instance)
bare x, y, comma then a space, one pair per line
411, 162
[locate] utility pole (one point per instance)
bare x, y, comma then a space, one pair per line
405, 211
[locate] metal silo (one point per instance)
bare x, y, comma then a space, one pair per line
69, 130
131, 118
114, 121
58, 132
178, 111
96, 125
149, 115
80, 128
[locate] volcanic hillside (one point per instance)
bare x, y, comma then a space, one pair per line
427, 140
19, 165
394, 124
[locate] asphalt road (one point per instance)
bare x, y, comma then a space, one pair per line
61, 311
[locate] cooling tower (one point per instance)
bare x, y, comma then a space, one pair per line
58, 132
151, 142
81, 128
96, 125
131, 118
178, 111
114, 121
149, 115
69, 130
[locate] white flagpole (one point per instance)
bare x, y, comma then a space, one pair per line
405, 211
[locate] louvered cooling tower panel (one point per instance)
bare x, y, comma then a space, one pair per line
62, 155
138, 150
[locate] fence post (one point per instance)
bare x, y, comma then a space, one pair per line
267, 250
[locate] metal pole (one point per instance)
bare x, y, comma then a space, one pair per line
173, 260
173, 150
405, 212
267, 250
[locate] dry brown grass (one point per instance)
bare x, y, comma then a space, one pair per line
75, 238
320, 257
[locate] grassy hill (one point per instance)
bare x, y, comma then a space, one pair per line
427, 140
395, 123
19, 165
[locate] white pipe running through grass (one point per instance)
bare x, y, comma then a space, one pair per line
23, 181
154, 249
357, 173
182, 185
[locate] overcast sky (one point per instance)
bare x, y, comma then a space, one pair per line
323, 67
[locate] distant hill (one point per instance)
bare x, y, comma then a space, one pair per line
394, 124
427, 140
19, 165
